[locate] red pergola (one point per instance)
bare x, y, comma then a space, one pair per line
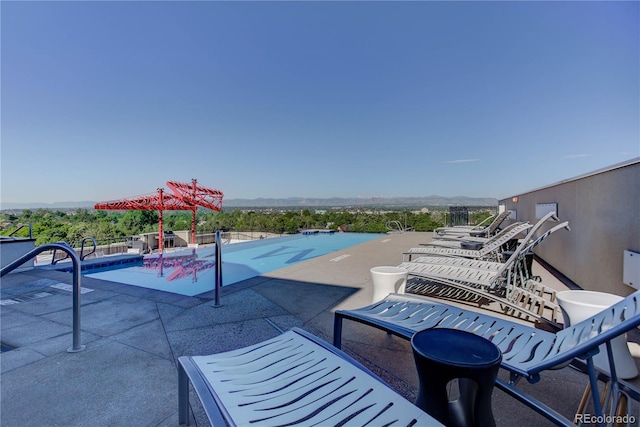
185, 197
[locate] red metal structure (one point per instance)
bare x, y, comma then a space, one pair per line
186, 197
198, 196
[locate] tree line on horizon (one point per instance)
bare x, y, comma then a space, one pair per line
49, 226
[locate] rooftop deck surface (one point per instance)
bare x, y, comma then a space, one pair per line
127, 374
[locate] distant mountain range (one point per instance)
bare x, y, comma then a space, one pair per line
299, 202
363, 201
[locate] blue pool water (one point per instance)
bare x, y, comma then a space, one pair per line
192, 272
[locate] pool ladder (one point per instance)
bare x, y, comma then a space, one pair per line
75, 259
20, 227
395, 226
82, 255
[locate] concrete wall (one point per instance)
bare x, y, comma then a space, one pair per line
603, 210
181, 238
13, 248
102, 250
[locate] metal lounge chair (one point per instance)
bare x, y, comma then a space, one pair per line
526, 351
531, 302
490, 250
446, 264
455, 240
525, 246
482, 282
477, 230
292, 379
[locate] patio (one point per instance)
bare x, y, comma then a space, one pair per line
127, 374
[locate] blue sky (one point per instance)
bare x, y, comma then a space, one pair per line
106, 100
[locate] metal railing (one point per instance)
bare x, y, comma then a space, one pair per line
82, 255
93, 249
395, 226
20, 227
218, 275
75, 259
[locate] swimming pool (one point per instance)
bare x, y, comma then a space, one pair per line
192, 272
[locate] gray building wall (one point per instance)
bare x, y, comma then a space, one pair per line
603, 210
12, 248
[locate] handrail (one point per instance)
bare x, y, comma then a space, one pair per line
54, 261
247, 237
21, 226
95, 245
63, 246
218, 275
396, 226
82, 254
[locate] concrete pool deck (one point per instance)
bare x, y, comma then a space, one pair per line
127, 374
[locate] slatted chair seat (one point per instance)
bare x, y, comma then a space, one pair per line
503, 236
440, 264
449, 249
481, 283
458, 262
292, 379
452, 270
533, 303
526, 351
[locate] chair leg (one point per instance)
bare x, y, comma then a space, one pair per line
183, 396
337, 331
593, 380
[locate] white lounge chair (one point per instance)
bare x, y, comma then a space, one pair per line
292, 379
457, 239
491, 273
514, 262
482, 282
526, 352
478, 230
491, 250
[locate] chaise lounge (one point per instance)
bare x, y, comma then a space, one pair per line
477, 230
491, 250
292, 379
526, 351
483, 282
